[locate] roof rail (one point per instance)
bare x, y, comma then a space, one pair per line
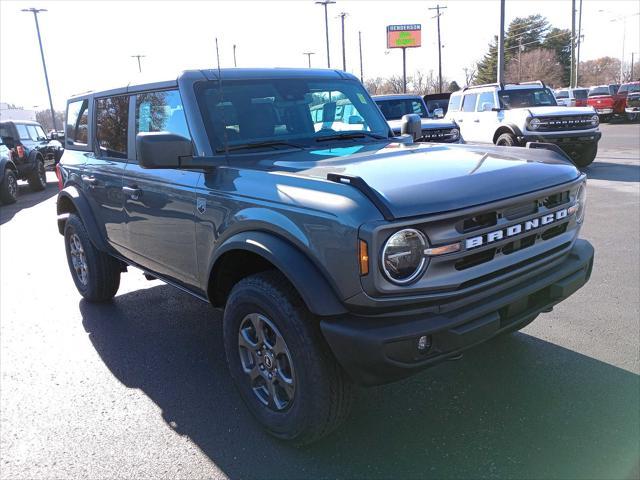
534, 82
497, 84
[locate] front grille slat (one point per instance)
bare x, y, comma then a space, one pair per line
575, 122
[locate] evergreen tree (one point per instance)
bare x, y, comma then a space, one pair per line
453, 86
559, 40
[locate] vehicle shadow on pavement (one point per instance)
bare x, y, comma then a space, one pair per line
515, 407
613, 171
27, 199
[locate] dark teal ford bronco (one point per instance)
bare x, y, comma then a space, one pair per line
340, 254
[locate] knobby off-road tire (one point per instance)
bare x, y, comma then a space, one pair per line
95, 273
319, 396
38, 178
9, 187
506, 140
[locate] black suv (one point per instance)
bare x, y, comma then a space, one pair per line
340, 253
31, 153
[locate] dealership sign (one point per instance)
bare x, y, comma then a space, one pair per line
404, 36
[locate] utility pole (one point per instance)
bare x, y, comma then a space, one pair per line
35, 12
235, 64
326, 25
437, 8
360, 47
579, 43
139, 64
519, 59
572, 80
631, 72
344, 55
501, 45
308, 54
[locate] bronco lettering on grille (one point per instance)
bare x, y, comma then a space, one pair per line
517, 229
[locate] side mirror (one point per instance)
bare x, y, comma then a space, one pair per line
163, 150
496, 109
411, 125
438, 113
355, 120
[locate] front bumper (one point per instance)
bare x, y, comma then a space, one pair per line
632, 110
377, 350
563, 140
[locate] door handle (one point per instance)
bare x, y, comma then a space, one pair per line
460, 120
476, 120
133, 192
92, 181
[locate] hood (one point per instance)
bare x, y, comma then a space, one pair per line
427, 124
425, 179
560, 111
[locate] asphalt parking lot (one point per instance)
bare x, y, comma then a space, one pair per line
139, 388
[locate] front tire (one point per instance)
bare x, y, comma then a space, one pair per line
38, 178
586, 155
9, 187
280, 362
506, 140
95, 273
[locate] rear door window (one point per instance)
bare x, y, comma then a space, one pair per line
23, 133
469, 103
112, 125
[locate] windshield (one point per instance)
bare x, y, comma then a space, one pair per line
599, 91
523, 98
286, 112
630, 87
395, 108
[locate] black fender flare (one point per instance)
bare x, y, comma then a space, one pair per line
315, 290
33, 158
81, 207
4, 164
514, 129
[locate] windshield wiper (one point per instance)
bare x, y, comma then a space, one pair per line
350, 135
267, 143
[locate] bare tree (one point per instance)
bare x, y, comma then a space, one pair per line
602, 70
539, 64
374, 85
469, 75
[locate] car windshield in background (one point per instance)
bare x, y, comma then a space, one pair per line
581, 94
284, 113
395, 109
523, 98
629, 88
599, 91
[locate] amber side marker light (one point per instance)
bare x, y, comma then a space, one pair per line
364, 258
432, 252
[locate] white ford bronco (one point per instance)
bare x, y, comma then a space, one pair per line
514, 114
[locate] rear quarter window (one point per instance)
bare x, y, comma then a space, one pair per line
454, 103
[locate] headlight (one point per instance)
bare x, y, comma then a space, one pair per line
403, 257
455, 133
534, 123
581, 202
595, 120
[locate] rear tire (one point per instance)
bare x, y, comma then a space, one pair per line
9, 187
586, 155
38, 178
95, 273
317, 395
506, 140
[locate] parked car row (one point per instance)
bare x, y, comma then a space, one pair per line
609, 101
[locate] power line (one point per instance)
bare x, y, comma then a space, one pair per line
537, 41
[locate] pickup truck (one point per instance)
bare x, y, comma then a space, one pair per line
631, 92
606, 102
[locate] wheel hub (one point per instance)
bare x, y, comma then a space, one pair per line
78, 259
265, 359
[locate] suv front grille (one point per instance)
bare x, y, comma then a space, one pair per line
560, 123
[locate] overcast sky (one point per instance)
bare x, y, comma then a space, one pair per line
88, 44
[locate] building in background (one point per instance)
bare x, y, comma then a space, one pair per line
8, 111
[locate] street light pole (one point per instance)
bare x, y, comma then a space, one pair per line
35, 12
326, 25
308, 54
344, 55
139, 64
572, 74
360, 47
235, 64
579, 43
437, 8
501, 46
